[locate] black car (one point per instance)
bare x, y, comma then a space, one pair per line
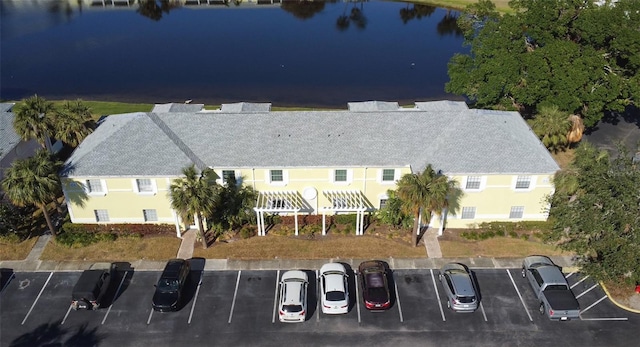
170, 285
91, 288
375, 288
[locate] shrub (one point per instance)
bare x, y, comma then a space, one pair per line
247, 232
83, 239
345, 219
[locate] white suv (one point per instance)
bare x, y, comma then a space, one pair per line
293, 296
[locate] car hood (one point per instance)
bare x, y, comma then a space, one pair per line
165, 299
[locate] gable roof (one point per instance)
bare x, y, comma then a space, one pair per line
8, 136
461, 141
174, 107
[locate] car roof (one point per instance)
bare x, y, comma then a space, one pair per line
293, 292
538, 260
295, 275
172, 269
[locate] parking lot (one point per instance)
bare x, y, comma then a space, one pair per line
240, 308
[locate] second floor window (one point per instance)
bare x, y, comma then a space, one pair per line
523, 182
473, 182
388, 175
227, 175
276, 176
94, 186
340, 175
144, 185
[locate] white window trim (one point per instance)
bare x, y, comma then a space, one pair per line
332, 177
154, 186
511, 211
95, 212
532, 183
102, 183
144, 217
222, 181
396, 176
475, 212
285, 178
483, 183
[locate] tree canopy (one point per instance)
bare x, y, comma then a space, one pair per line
595, 213
582, 57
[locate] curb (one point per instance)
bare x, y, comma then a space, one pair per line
606, 291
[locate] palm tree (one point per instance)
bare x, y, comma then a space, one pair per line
33, 120
73, 123
552, 126
426, 191
33, 181
195, 195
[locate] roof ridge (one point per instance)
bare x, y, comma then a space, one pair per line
177, 141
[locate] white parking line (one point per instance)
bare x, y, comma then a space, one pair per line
519, 295
595, 303
8, 281
575, 284
586, 291
318, 309
38, 297
484, 314
398, 301
195, 297
569, 275
235, 293
355, 279
66, 315
275, 297
115, 296
150, 314
435, 286
606, 319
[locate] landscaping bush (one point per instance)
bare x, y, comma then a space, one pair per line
121, 229
247, 232
83, 239
513, 229
345, 219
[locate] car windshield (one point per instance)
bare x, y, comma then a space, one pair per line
466, 299
165, 285
335, 296
291, 308
375, 280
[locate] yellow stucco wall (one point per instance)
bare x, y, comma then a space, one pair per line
493, 201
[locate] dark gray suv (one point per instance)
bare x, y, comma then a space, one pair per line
458, 287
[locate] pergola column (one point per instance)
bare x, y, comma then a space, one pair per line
324, 223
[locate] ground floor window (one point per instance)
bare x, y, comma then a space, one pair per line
101, 215
516, 212
150, 215
468, 213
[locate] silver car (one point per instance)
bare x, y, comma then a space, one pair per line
458, 287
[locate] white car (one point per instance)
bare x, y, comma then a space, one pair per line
334, 296
293, 297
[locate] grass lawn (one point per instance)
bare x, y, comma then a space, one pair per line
320, 247
502, 6
16, 251
122, 249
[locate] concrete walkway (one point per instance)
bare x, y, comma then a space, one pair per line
431, 243
186, 246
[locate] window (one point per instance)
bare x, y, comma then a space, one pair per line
516, 212
473, 182
383, 203
468, 213
145, 185
340, 175
94, 186
101, 215
276, 176
388, 175
279, 204
150, 215
523, 182
228, 174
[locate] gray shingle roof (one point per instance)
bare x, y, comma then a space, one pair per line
458, 142
174, 107
246, 107
8, 137
441, 105
367, 106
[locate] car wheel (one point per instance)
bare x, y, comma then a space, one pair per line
541, 308
524, 272
440, 277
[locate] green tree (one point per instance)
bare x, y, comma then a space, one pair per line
596, 213
73, 123
33, 120
427, 192
392, 213
552, 126
34, 181
574, 54
195, 195
234, 205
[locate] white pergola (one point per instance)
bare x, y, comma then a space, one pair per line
345, 201
288, 201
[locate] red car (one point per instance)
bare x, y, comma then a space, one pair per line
375, 288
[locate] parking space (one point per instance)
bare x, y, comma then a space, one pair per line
37, 304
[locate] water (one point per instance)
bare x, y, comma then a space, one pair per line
287, 55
